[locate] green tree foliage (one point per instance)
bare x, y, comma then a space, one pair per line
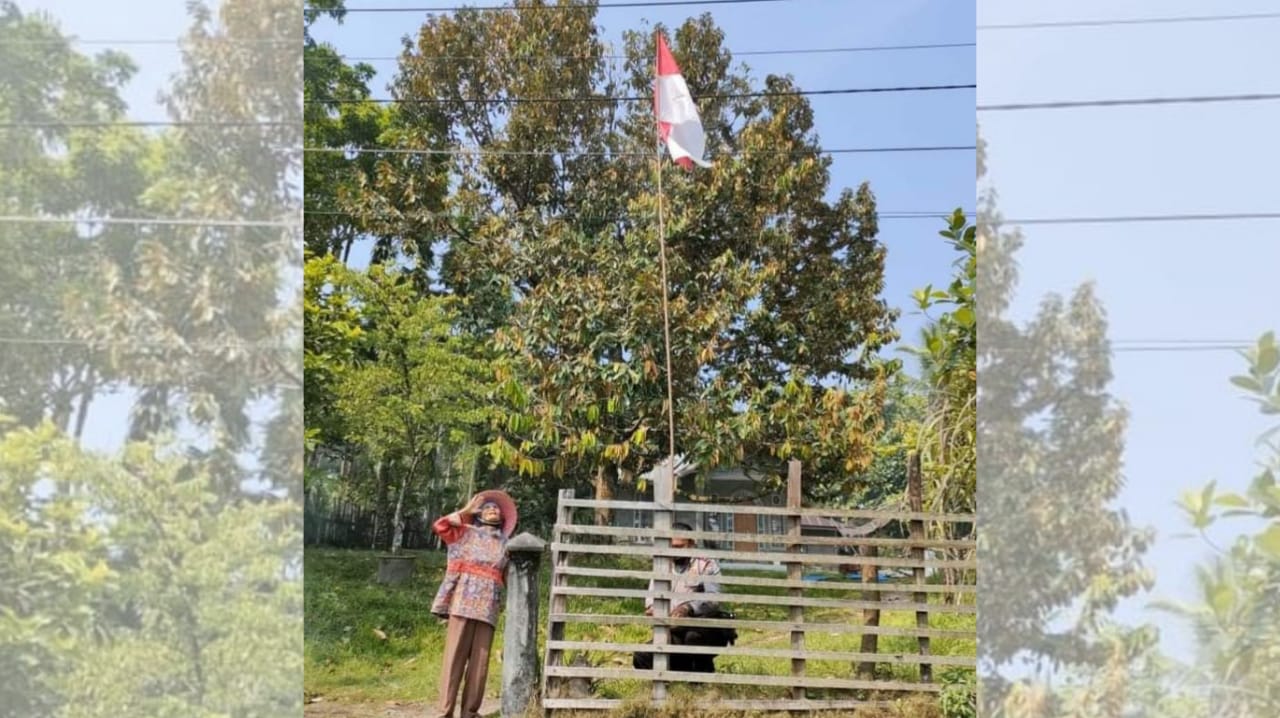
552, 236
160, 579
411, 386
1237, 620
1056, 554
947, 436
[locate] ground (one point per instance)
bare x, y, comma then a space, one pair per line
375, 650
388, 709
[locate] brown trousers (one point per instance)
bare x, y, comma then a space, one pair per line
466, 648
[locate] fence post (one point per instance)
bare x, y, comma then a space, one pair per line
795, 571
559, 602
870, 616
664, 491
915, 499
520, 636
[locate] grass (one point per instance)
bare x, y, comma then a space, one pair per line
371, 643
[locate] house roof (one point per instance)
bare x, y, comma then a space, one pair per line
843, 528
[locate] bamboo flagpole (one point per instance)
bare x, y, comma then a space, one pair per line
680, 129
666, 326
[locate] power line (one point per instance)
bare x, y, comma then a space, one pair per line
148, 221
905, 215
1179, 349
467, 151
1130, 102
1138, 218
747, 53
82, 124
600, 6
1130, 21
131, 41
638, 98
177, 344
1233, 342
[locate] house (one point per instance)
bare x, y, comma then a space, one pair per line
736, 486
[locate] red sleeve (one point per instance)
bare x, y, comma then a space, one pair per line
447, 529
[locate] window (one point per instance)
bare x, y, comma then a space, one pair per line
718, 523
772, 525
642, 520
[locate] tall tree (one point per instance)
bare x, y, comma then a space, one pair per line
413, 386
552, 230
178, 585
1056, 553
44, 81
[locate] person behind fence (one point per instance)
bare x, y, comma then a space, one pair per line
470, 595
694, 575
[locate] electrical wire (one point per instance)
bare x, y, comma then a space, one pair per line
1130, 21
1129, 219
746, 53
468, 151
83, 124
598, 6
637, 98
148, 221
1130, 102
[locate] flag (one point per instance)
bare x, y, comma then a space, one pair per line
678, 122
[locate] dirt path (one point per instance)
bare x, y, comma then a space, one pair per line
389, 709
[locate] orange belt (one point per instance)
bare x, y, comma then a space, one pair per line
475, 569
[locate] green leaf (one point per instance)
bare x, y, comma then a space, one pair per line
1247, 382
1222, 599
1232, 500
1268, 359
1269, 541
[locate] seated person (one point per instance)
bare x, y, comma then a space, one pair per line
694, 575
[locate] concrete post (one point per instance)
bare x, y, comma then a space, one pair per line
520, 637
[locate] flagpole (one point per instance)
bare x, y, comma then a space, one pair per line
666, 314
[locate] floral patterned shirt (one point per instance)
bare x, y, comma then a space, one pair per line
477, 556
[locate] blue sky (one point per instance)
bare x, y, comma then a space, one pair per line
931, 182
1158, 281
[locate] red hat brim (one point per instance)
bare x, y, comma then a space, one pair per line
508, 507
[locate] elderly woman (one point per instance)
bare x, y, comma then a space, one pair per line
470, 596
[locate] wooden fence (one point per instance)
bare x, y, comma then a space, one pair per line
342, 524
853, 683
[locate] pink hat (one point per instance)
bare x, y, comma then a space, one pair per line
505, 505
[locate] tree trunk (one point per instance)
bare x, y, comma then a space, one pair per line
397, 538
380, 506
604, 492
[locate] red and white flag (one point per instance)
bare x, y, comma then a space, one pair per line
678, 121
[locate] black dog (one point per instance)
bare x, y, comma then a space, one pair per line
682, 636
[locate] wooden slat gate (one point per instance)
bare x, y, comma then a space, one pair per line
838, 680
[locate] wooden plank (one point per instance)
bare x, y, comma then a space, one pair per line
780, 511
648, 533
622, 619
747, 556
586, 704
812, 655
870, 617
795, 572
740, 679
559, 604
915, 498
731, 580
765, 600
